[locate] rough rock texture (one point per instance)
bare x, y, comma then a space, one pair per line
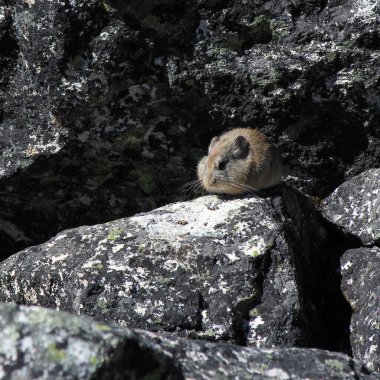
246, 270
36, 343
355, 207
42, 344
361, 286
203, 360
105, 105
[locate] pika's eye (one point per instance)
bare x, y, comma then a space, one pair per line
222, 165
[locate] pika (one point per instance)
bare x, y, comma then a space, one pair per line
239, 161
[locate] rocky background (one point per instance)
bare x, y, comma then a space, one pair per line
105, 108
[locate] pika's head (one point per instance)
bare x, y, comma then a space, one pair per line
227, 166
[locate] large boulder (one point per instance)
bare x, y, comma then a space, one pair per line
106, 105
361, 287
38, 343
45, 344
355, 207
253, 270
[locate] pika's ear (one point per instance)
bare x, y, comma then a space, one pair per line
213, 141
241, 147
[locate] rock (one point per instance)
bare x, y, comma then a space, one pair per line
36, 342
203, 360
355, 207
246, 270
106, 105
86, 110
361, 286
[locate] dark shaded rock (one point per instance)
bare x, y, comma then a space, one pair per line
355, 207
246, 270
88, 111
361, 287
37, 343
106, 105
45, 344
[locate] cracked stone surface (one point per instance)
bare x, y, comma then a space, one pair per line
106, 105
361, 286
355, 207
221, 269
46, 344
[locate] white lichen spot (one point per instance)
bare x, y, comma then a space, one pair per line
204, 315
223, 287
256, 322
115, 265
255, 246
59, 258
170, 265
277, 373
140, 310
347, 265
117, 248
31, 297
232, 257
83, 282
92, 264
212, 290
373, 348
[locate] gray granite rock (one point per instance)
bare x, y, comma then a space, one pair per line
37, 343
355, 207
361, 286
243, 270
209, 361
106, 105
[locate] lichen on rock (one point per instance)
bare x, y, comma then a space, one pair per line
355, 207
361, 286
46, 344
214, 268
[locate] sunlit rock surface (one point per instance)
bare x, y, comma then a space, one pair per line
361, 286
245, 270
355, 207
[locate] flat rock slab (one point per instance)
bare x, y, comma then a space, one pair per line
361, 286
45, 344
355, 207
214, 268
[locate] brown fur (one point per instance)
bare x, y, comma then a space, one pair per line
236, 164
